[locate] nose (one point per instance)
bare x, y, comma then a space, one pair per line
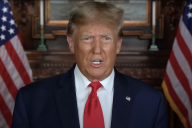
96, 46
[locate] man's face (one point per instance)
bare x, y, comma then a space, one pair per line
95, 47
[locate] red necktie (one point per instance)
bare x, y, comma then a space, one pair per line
93, 115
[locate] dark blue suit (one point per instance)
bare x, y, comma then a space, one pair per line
51, 103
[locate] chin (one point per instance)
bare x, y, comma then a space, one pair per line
97, 76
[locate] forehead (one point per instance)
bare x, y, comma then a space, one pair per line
98, 28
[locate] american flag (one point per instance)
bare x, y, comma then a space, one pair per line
177, 83
15, 71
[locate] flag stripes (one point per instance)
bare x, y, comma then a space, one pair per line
177, 83
174, 80
182, 61
14, 75
8, 64
174, 88
6, 95
184, 48
18, 48
17, 62
7, 115
180, 76
173, 99
15, 71
3, 123
8, 81
186, 35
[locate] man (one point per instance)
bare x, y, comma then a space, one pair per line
92, 94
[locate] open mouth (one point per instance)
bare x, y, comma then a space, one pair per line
96, 63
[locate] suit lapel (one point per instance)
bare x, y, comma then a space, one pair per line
121, 105
65, 98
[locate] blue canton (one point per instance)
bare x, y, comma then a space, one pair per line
187, 15
8, 27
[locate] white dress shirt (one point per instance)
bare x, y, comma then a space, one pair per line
104, 93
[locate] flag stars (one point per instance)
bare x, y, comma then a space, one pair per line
4, 10
11, 31
11, 12
5, 1
2, 37
189, 15
4, 18
3, 28
190, 6
12, 22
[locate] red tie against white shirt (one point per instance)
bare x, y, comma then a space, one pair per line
93, 115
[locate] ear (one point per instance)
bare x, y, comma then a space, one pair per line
119, 42
70, 43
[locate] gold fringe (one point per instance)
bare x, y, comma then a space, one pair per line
172, 104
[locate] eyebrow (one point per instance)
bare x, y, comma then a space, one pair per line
102, 34
106, 34
87, 35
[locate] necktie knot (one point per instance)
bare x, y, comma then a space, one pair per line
95, 86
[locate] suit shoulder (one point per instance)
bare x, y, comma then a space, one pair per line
45, 83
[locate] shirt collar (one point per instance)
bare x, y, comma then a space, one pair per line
81, 82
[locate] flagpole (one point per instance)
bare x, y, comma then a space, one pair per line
153, 47
42, 46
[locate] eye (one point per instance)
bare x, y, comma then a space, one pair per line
106, 38
87, 39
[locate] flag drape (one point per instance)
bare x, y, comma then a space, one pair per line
177, 83
15, 71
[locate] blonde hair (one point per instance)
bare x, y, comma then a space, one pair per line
96, 12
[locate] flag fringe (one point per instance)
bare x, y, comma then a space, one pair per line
172, 104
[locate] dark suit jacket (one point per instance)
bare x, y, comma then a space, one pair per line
51, 103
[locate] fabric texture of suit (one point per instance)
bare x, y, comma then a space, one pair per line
51, 103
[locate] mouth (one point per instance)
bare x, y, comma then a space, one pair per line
96, 63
